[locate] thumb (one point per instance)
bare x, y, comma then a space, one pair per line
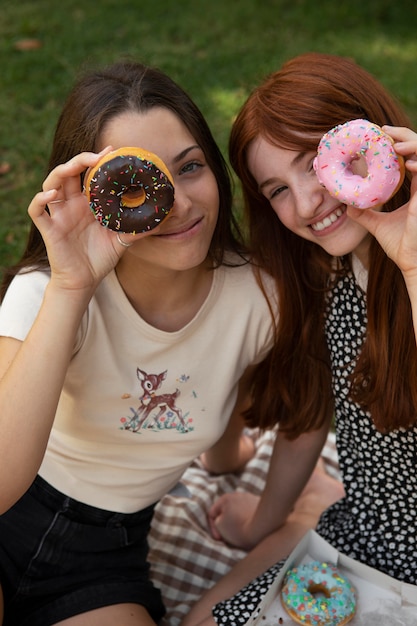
212, 522
216, 508
368, 218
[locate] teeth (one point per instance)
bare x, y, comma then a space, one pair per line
328, 221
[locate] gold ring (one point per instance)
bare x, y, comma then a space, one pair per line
122, 243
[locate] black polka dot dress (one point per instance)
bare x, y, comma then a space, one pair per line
376, 523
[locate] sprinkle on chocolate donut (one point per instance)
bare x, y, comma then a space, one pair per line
130, 190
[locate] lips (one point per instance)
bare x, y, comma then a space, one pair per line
180, 229
330, 219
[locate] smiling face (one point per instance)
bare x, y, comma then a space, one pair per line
288, 181
183, 239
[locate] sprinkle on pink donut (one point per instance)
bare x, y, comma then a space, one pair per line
349, 142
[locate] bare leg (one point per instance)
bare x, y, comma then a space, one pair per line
320, 492
120, 614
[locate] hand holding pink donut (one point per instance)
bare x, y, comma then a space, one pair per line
396, 231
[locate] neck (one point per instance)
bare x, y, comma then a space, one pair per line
362, 251
165, 299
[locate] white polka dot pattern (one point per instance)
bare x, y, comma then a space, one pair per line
376, 523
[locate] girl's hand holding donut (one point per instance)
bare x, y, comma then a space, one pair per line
80, 251
397, 231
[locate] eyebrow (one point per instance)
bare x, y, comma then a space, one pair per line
298, 157
184, 153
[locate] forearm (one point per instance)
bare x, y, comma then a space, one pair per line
272, 549
292, 464
232, 451
33, 374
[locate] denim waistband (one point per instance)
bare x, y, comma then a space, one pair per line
79, 511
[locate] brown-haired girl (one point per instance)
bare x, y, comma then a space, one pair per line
122, 358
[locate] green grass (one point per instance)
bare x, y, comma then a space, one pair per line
217, 50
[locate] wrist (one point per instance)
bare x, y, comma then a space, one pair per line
76, 294
66, 306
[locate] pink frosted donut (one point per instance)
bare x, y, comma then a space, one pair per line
360, 141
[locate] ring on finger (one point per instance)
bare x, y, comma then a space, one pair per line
123, 243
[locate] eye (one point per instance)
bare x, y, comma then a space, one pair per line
276, 192
191, 166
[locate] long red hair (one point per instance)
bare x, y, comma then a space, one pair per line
293, 106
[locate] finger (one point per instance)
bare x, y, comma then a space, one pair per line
214, 530
400, 133
406, 149
66, 176
126, 240
105, 150
39, 203
369, 218
216, 508
56, 201
213, 522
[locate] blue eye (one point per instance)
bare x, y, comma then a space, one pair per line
190, 167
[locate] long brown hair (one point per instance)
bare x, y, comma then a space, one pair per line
98, 97
291, 108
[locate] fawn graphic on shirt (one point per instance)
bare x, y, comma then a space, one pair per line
157, 410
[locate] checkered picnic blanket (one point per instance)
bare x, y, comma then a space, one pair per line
185, 559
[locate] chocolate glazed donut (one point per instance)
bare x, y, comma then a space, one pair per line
130, 190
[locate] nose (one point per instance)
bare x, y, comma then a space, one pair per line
309, 198
182, 201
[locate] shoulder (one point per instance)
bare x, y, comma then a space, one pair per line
244, 281
259, 281
22, 302
238, 270
28, 285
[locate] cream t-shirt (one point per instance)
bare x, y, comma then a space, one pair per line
139, 404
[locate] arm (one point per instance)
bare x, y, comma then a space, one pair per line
397, 231
243, 520
234, 449
32, 372
321, 491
